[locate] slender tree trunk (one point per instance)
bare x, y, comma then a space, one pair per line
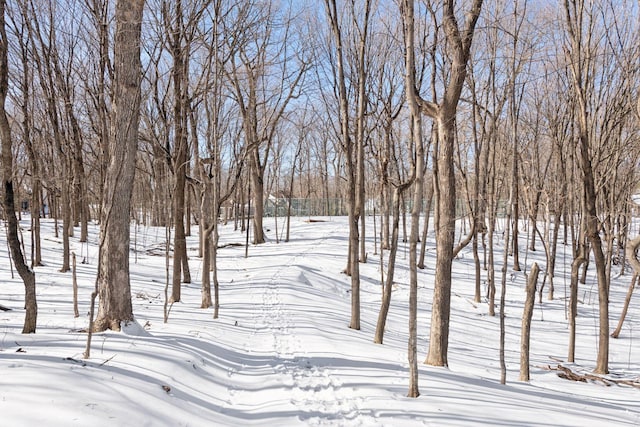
388, 284
413, 248
180, 78
353, 268
476, 261
214, 265
632, 248
553, 250
360, 129
526, 322
425, 229
573, 306
75, 286
290, 195
491, 281
66, 223
36, 183
503, 292
625, 307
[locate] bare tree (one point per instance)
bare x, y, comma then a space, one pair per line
22, 36
444, 114
113, 269
417, 175
579, 21
348, 150
267, 73
26, 274
180, 35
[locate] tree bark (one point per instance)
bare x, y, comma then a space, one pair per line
180, 263
445, 115
360, 129
353, 268
574, 19
26, 274
632, 247
573, 306
526, 322
388, 284
113, 271
407, 9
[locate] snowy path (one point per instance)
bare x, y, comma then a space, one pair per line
313, 390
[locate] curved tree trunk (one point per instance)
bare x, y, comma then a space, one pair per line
632, 248
26, 274
388, 285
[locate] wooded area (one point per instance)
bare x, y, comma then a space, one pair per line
406, 111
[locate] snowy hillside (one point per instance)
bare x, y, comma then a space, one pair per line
281, 352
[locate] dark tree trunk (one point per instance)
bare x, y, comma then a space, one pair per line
26, 274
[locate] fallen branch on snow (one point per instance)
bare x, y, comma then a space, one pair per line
573, 375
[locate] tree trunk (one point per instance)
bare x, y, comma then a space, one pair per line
578, 64
425, 229
625, 308
360, 129
459, 42
445, 236
180, 82
632, 248
26, 274
407, 9
388, 285
257, 188
354, 237
573, 306
214, 270
206, 271
113, 271
526, 322
36, 183
553, 250
75, 285
491, 282
66, 222
503, 290
353, 268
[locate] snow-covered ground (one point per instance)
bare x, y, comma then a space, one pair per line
282, 353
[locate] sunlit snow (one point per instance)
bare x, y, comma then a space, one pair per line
281, 352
